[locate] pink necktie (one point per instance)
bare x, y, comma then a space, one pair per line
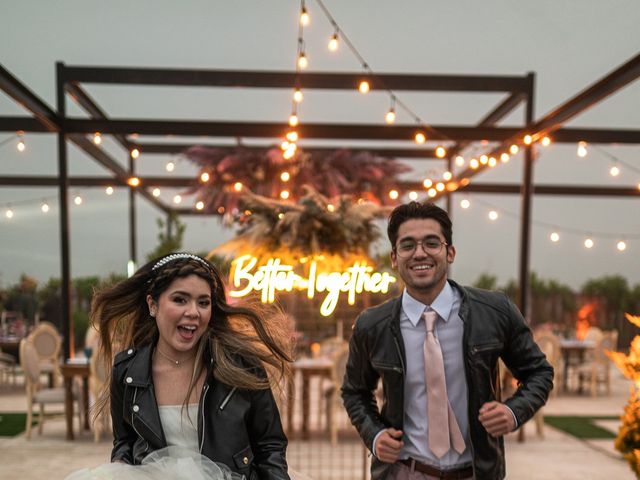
444, 432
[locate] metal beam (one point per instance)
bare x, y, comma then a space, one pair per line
25, 124
280, 79
42, 112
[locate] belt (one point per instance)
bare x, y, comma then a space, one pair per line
452, 474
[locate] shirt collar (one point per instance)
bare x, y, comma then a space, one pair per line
441, 305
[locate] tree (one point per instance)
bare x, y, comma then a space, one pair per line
169, 238
614, 295
486, 281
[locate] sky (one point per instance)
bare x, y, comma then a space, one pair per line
568, 45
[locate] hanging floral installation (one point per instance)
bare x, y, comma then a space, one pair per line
230, 171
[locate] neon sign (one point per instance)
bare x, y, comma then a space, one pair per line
276, 276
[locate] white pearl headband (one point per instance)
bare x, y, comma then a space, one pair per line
177, 256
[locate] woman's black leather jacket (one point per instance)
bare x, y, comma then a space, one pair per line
239, 428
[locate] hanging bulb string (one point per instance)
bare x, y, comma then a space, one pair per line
564, 229
614, 158
7, 140
367, 68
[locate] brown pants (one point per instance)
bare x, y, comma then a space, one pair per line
400, 471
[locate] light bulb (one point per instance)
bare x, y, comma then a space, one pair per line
293, 120
8, 213
390, 117
621, 246
220, 210
546, 141
393, 194
528, 140
364, 86
446, 176
440, 186
582, 149
177, 199
302, 61
459, 161
614, 171
170, 166
133, 181
333, 42
297, 95
427, 183
331, 207
413, 196
284, 145
304, 17
484, 159
473, 163
284, 194
204, 178
77, 200
199, 205
492, 162
420, 138
237, 186
588, 243
504, 158
21, 146
432, 192
109, 190
493, 215
97, 138
156, 192
285, 176
555, 237
135, 153
440, 152
45, 207
292, 136
465, 203
514, 149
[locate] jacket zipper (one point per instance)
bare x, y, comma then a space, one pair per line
202, 398
135, 394
227, 398
485, 348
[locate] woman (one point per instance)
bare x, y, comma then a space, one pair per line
193, 376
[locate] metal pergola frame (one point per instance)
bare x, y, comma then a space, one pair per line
519, 90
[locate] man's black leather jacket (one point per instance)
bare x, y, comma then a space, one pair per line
493, 329
239, 428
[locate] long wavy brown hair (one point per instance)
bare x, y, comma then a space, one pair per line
259, 336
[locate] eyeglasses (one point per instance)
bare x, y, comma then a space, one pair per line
430, 245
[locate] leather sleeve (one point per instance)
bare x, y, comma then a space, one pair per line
268, 441
123, 434
360, 382
529, 366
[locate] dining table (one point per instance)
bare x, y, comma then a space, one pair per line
305, 368
573, 353
70, 369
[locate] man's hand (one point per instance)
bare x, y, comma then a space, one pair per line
497, 419
388, 445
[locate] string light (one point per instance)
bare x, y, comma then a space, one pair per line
237, 186
614, 171
333, 42
302, 61
432, 192
170, 167
413, 196
440, 186
199, 205
484, 159
297, 95
420, 138
304, 16
528, 139
459, 161
220, 210
588, 243
77, 200
284, 194
364, 86
133, 181
21, 145
156, 192
546, 141
621, 246
8, 213
582, 149
492, 162
44, 207
285, 176
293, 120
204, 178
504, 158
493, 215
292, 136
393, 194
473, 163
446, 176
135, 153
465, 203
109, 190
427, 183
97, 138
390, 117
331, 207
513, 149
177, 199
555, 237
441, 152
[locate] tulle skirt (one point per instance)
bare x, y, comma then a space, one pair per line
170, 463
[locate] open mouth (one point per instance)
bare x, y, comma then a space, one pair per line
187, 331
422, 268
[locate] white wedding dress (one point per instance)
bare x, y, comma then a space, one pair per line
180, 460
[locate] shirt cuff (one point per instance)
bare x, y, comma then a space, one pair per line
373, 445
515, 419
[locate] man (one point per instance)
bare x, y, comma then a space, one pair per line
441, 415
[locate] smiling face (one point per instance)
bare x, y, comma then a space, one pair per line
182, 314
424, 274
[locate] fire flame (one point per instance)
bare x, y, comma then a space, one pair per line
585, 316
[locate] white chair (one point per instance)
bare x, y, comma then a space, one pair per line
36, 393
47, 343
7, 367
550, 346
597, 370
332, 393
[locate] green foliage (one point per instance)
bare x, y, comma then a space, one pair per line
486, 281
168, 243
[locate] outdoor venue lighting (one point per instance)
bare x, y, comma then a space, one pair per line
393, 194
514, 149
133, 181
465, 203
364, 86
492, 162
302, 61
297, 95
588, 243
413, 196
555, 237
237, 186
484, 159
614, 171
292, 136
21, 145
199, 205
440, 186
390, 117
285, 176
177, 199
205, 177
446, 176
432, 192
170, 167
493, 215
473, 163
528, 139
546, 141
8, 213
420, 138
293, 120
459, 161
156, 192
504, 158
427, 183
440, 152
135, 153
582, 149
333, 42
97, 138
284, 194
77, 200
44, 207
109, 190
621, 246
304, 16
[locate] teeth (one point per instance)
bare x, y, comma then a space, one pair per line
191, 328
422, 267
